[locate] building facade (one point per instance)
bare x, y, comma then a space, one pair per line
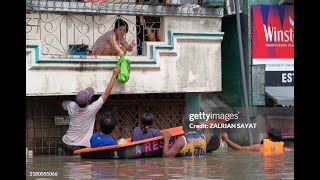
166, 78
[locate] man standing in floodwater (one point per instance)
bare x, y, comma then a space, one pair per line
273, 143
82, 114
192, 144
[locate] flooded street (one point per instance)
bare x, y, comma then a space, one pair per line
220, 164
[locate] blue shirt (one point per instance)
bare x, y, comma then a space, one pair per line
138, 134
98, 140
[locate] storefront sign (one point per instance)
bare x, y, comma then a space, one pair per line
273, 42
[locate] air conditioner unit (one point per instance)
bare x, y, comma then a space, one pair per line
230, 7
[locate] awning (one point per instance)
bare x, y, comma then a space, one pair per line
282, 95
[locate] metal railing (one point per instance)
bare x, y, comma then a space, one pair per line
72, 34
60, 33
63, 25
130, 7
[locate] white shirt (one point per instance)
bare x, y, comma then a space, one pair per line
81, 122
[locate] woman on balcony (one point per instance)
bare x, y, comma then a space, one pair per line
113, 42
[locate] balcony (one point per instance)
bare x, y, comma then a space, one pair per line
130, 7
186, 59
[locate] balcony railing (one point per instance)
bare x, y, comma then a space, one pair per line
62, 25
59, 33
131, 7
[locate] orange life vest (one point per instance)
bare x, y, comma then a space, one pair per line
272, 147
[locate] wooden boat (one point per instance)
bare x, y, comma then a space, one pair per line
151, 147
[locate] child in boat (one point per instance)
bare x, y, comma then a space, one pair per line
107, 124
146, 131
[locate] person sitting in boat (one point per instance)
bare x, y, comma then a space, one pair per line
146, 131
108, 122
273, 143
192, 144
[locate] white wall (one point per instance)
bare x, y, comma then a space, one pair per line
194, 65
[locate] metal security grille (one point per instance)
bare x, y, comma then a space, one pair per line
69, 28
167, 109
43, 136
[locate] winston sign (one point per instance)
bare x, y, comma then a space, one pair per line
273, 42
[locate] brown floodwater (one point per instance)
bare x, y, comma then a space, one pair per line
220, 164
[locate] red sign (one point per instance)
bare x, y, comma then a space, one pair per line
272, 32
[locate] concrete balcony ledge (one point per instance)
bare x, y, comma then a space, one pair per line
149, 60
74, 62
